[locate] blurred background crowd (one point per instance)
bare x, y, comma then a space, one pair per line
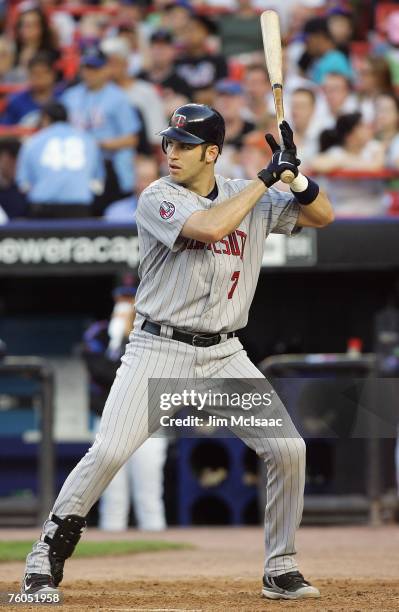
86, 86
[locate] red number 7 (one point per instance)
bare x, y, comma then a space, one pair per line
234, 277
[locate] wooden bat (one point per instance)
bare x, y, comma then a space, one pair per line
270, 24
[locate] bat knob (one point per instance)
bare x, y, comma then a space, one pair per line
287, 176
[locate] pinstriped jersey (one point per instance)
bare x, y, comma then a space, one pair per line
201, 287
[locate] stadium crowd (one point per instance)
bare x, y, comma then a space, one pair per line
86, 86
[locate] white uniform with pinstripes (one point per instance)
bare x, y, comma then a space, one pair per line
203, 288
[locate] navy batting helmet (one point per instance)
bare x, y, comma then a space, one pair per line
195, 124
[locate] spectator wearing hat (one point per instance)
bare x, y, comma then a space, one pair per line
323, 53
141, 478
161, 70
59, 168
103, 109
197, 65
230, 102
141, 94
24, 107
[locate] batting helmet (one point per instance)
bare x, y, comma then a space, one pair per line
195, 124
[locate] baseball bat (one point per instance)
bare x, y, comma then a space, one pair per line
270, 24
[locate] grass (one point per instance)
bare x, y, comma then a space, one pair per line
17, 550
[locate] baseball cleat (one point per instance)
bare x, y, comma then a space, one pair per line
38, 583
288, 586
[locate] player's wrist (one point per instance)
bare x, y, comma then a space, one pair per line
304, 189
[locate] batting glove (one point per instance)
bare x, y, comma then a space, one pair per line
281, 160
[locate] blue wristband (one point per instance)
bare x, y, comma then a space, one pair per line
309, 195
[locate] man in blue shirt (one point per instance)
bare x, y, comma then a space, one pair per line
60, 168
322, 50
102, 109
24, 107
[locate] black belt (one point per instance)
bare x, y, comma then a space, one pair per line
199, 339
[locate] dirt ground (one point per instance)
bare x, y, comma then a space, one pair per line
356, 569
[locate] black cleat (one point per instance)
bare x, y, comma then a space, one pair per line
288, 586
38, 583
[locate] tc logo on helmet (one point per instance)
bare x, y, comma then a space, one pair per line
179, 121
167, 210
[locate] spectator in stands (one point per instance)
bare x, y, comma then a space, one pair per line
12, 201
340, 25
61, 22
103, 109
147, 171
350, 147
230, 102
339, 99
161, 71
324, 55
240, 30
197, 65
8, 72
258, 96
60, 168
24, 107
304, 124
175, 17
141, 478
141, 94
253, 154
391, 51
373, 79
386, 119
32, 35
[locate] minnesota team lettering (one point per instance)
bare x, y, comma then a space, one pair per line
233, 244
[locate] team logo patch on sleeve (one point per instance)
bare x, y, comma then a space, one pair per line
167, 210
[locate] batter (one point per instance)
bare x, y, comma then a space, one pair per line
201, 240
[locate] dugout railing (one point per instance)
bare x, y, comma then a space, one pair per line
31, 380
333, 506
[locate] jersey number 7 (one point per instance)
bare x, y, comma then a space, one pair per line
234, 277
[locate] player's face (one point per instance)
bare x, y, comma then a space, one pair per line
185, 161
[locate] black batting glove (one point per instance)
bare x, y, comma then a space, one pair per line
281, 160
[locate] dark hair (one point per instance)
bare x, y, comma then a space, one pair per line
344, 126
317, 25
382, 73
10, 145
43, 58
55, 111
47, 42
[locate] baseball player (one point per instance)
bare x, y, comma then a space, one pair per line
201, 240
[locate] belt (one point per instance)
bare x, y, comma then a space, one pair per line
194, 339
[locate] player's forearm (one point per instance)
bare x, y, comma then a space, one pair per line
214, 224
317, 214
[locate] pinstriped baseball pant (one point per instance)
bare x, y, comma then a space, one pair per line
124, 427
